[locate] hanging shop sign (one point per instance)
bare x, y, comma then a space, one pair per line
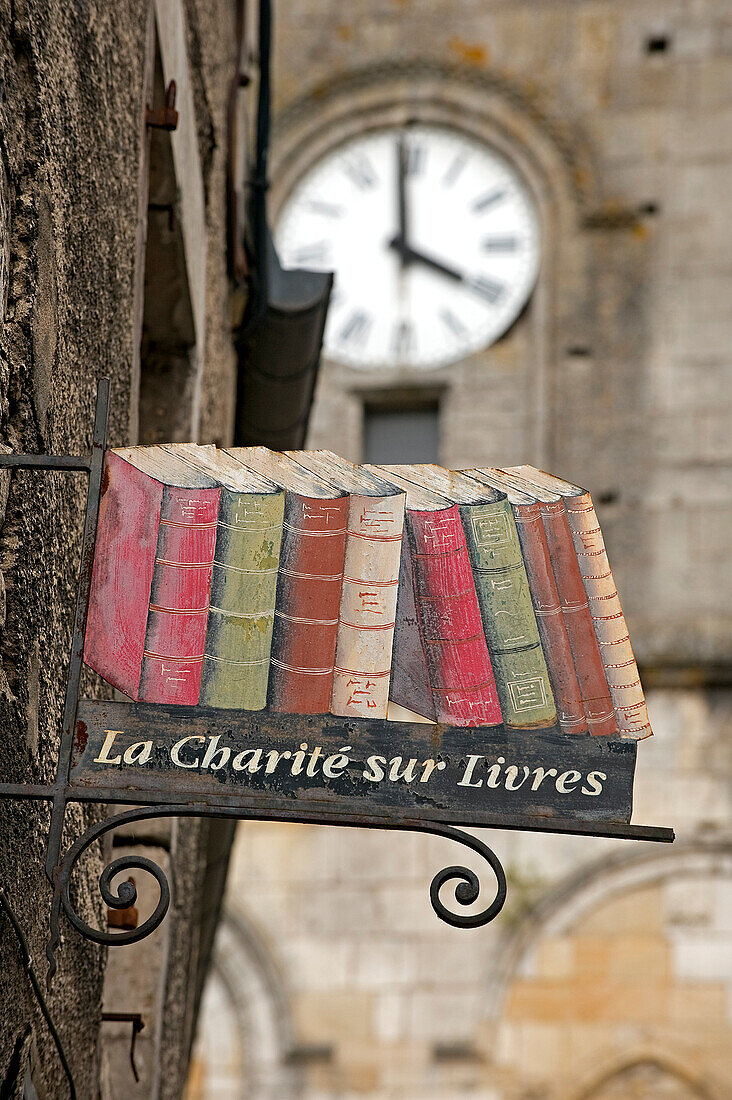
302, 639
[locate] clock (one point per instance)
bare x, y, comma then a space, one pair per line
432, 235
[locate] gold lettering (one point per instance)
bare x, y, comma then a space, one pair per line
175, 751
104, 757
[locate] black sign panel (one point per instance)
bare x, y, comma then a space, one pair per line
319, 767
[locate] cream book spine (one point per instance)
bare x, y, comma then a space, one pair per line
621, 671
368, 606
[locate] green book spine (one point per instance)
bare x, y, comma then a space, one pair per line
508, 616
243, 588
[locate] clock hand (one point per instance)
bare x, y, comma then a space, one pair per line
483, 286
400, 241
412, 255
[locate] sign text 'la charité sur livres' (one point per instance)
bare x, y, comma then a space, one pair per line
269, 614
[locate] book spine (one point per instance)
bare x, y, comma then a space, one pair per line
243, 591
549, 618
461, 676
612, 635
179, 597
576, 611
124, 561
409, 686
368, 606
508, 616
308, 602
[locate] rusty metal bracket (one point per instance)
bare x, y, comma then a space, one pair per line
7, 908
165, 117
134, 1018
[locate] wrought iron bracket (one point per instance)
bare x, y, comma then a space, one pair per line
157, 802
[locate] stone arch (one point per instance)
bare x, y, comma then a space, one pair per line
507, 108
667, 1076
575, 895
626, 948
497, 403
246, 1026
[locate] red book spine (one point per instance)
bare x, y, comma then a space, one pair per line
549, 618
124, 560
461, 676
308, 604
580, 630
179, 596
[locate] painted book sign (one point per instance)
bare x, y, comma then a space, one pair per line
405, 613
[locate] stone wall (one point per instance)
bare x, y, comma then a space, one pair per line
70, 153
618, 374
74, 155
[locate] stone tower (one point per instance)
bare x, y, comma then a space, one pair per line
610, 972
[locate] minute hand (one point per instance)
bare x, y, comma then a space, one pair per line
402, 193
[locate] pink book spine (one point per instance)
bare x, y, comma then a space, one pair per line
124, 561
461, 676
179, 597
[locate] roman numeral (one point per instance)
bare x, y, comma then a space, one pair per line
360, 171
500, 244
356, 328
490, 198
416, 160
487, 288
454, 170
327, 209
452, 322
403, 338
315, 253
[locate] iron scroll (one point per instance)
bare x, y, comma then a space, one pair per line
466, 892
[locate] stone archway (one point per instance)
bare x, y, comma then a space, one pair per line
245, 1036
646, 1077
494, 402
619, 982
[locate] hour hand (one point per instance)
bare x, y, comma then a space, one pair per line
410, 255
488, 289
414, 256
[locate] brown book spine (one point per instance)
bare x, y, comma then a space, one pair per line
576, 611
549, 618
307, 606
613, 639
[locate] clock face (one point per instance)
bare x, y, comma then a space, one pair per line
433, 238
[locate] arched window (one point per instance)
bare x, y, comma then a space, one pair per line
498, 394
